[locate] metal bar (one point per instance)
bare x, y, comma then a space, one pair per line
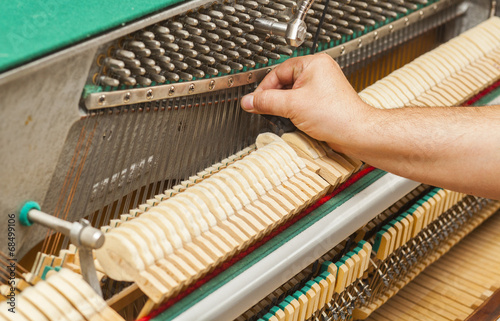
248, 288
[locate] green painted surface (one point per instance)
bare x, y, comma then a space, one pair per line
30, 29
269, 247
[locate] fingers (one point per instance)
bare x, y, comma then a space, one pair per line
285, 74
269, 102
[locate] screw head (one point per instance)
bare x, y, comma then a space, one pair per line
127, 96
149, 94
171, 91
191, 88
211, 85
101, 100
230, 82
250, 76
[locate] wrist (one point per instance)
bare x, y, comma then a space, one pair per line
353, 135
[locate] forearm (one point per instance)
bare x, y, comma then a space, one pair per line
455, 148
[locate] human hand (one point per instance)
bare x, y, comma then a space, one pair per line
314, 94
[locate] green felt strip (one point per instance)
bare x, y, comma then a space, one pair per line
30, 29
486, 100
269, 247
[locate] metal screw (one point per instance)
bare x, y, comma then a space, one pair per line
211, 85
421, 13
149, 94
230, 82
268, 70
407, 21
342, 50
101, 100
126, 98
391, 28
171, 91
191, 88
375, 35
360, 43
250, 76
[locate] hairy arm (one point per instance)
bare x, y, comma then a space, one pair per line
452, 147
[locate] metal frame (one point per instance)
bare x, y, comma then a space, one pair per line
248, 288
138, 95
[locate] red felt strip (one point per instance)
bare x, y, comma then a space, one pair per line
485, 92
258, 244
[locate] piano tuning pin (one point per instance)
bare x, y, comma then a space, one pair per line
201, 49
218, 56
232, 19
189, 53
121, 72
174, 25
108, 81
193, 31
211, 36
124, 54
160, 29
182, 34
157, 51
196, 72
227, 44
240, 41
247, 62
225, 69
185, 76
147, 61
231, 53
132, 63
171, 76
144, 81
235, 65
167, 65
128, 81
252, 38
143, 53
245, 53
185, 44
260, 59
223, 33
254, 48
210, 70
242, 16
210, 26
276, 6
138, 70
270, 55
114, 63
166, 38
134, 45
152, 69
254, 13
190, 21
215, 14
157, 78
312, 21
145, 35
192, 62
180, 65
221, 23
284, 50
228, 10
170, 47
176, 56
206, 59
283, 17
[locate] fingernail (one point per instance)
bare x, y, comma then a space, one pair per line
247, 102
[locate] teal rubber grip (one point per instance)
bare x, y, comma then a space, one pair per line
23, 214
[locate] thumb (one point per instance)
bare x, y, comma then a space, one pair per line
269, 102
